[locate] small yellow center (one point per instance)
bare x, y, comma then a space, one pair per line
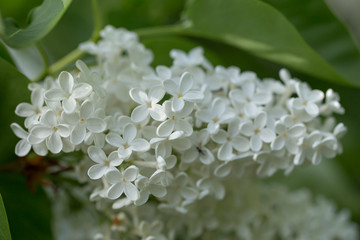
55, 129
228, 139
126, 146
240, 115
149, 105
304, 103
256, 131
284, 134
215, 120
68, 95
179, 95
37, 111
59, 112
173, 117
107, 163
82, 120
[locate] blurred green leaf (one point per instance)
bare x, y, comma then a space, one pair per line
43, 19
13, 90
323, 32
29, 214
327, 179
28, 61
261, 30
4, 225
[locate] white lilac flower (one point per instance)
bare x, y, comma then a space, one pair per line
324, 147
33, 111
121, 182
49, 130
82, 121
257, 132
128, 142
182, 92
194, 58
251, 97
104, 164
230, 139
288, 137
332, 104
176, 120
148, 104
198, 150
215, 115
307, 100
151, 186
68, 92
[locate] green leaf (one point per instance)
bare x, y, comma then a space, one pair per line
324, 33
29, 213
13, 90
4, 225
260, 29
42, 20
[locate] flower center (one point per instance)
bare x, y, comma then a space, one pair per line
179, 95
215, 120
173, 117
107, 163
82, 120
284, 134
256, 131
55, 128
126, 146
68, 95
37, 111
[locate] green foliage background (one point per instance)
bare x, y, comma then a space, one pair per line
263, 36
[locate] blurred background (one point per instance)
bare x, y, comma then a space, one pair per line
337, 179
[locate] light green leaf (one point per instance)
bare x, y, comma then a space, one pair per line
43, 19
4, 225
324, 33
13, 90
260, 29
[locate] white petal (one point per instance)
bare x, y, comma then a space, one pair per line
115, 191
49, 118
55, 95
140, 113
278, 143
240, 143
157, 112
260, 120
37, 98
66, 81
171, 87
71, 118
78, 134
41, 132
189, 193
218, 107
54, 143
114, 176
185, 126
81, 91
181, 144
135, 95
312, 109
131, 191
24, 110
69, 104
280, 128
156, 94
96, 125
124, 153
157, 190
86, 109
213, 127
163, 72
193, 96
22, 148
144, 196
250, 109
190, 155
206, 158
297, 130
316, 96
225, 151
63, 130
255, 143
129, 132
291, 146
220, 136
97, 154
165, 128
140, 145
177, 104
247, 129
222, 170
267, 135
18, 131
115, 140
40, 149
203, 115
114, 159
186, 82
97, 171
248, 88
131, 173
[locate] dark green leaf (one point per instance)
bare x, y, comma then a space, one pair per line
43, 19
4, 226
324, 33
29, 213
260, 29
13, 90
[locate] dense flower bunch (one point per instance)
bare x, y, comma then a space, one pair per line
170, 137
